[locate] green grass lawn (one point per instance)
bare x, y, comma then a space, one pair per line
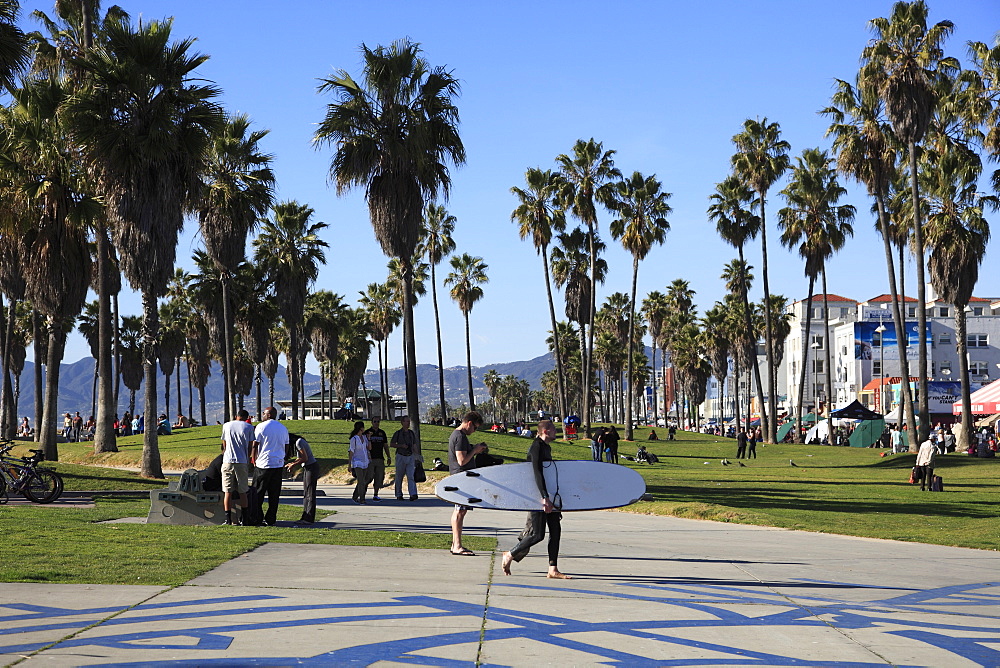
850, 491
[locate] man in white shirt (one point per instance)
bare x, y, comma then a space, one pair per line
267, 452
237, 435
925, 460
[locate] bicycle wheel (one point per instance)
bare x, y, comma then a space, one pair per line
3, 489
44, 486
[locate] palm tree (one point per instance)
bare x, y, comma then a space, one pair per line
170, 346
760, 160
323, 321
37, 160
736, 225
437, 244
654, 310
13, 43
985, 88
394, 134
717, 343
866, 152
382, 309
466, 289
87, 324
143, 127
491, 379
902, 63
642, 207
571, 271
815, 223
13, 285
77, 27
586, 179
132, 362
538, 217
237, 190
290, 251
957, 233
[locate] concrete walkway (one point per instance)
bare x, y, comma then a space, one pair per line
648, 591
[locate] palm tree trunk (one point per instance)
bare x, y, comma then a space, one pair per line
93, 392
656, 417
468, 361
201, 399
805, 363
150, 444
117, 357
555, 332
166, 395
293, 361
768, 433
270, 393
104, 432
257, 380
630, 380
736, 403
227, 349
587, 361
8, 409
36, 333
381, 348
964, 439
583, 357
906, 408
918, 251
190, 392
50, 413
770, 417
437, 330
410, 358
827, 346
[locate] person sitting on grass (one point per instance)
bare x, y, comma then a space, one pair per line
163, 426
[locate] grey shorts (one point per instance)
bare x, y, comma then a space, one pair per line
235, 478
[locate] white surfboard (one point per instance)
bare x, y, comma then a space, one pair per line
581, 485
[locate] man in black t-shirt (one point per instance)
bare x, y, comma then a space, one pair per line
379, 453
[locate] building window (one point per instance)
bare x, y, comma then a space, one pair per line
818, 313
911, 311
816, 341
817, 366
942, 311
877, 339
945, 368
876, 368
977, 341
977, 310
944, 338
978, 369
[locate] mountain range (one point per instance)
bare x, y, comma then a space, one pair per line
76, 386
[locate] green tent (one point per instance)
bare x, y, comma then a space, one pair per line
866, 433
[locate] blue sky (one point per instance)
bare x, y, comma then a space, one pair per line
666, 84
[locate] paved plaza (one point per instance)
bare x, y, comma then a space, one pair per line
647, 591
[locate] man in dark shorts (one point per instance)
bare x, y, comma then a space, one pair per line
379, 453
534, 531
462, 457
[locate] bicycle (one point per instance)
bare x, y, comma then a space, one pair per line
24, 476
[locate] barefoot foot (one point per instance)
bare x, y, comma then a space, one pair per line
556, 575
505, 563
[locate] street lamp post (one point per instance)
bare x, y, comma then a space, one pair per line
881, 367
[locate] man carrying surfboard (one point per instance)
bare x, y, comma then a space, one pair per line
534, 530
462, 457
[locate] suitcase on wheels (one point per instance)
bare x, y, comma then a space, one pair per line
937, 485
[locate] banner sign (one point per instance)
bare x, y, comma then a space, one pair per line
865, 334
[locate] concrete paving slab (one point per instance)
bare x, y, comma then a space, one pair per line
648, 591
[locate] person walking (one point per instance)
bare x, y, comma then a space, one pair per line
359, 451
752, 444
549, 516
741, 443
925, 461
404, 441
310, 475
267, 452
379, 453
610, 441
462, 457
896, 440
596, 445
237, 435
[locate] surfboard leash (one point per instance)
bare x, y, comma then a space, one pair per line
556, 497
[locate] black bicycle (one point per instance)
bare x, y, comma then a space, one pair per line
23, 476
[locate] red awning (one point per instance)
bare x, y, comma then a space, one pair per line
985, 401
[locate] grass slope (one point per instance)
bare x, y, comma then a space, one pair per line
850, 491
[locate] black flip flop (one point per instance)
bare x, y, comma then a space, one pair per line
464, 552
